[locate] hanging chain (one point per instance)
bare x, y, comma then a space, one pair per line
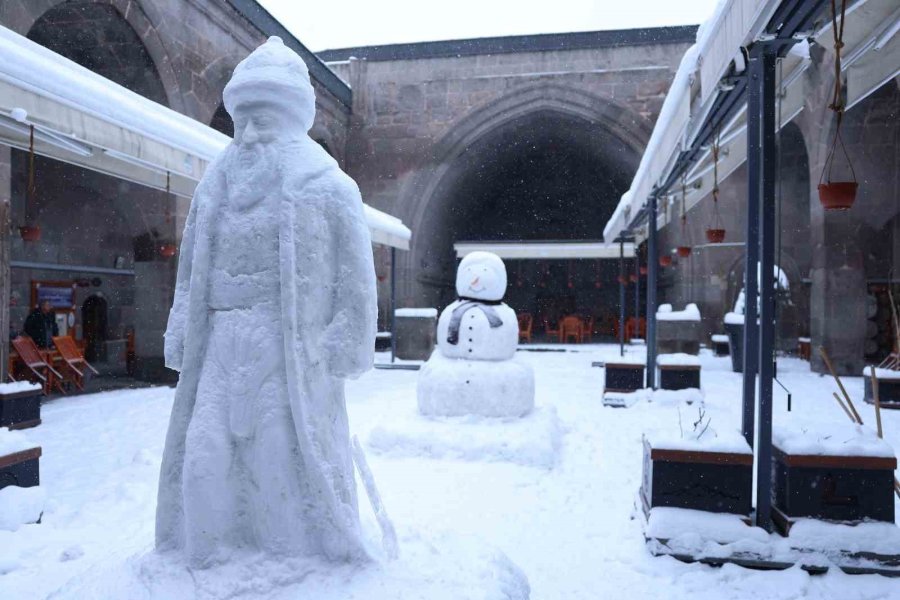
837, 102
31, 184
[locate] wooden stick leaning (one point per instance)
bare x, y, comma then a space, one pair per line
877, 399
844, 406
839, 384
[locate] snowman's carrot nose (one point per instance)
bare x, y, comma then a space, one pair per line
475, 281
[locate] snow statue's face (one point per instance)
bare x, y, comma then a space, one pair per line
482, 276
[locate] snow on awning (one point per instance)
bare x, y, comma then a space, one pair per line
546, 250
733, 24
84, 119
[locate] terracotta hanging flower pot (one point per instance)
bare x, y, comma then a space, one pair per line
30, 233
715, 235
838, 195
168, 250
643, 270
665, 260
683, 251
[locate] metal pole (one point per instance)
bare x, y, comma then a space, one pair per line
621, 297
767, 293
637, 292
652, 270
393, 302
751, 341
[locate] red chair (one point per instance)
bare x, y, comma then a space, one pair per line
552, 332
525, 323
74, 360
36, 366
587, 331
571, 327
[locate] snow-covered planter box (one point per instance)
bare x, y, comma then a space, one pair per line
841, 473
720, 344
713, 473
382, 341
678, 330
20, 405
416, 331
18, 460
623, 377
678, 371
888, 387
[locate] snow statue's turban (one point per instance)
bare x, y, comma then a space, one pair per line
273, 73
482, 276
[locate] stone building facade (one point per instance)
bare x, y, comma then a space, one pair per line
179, 53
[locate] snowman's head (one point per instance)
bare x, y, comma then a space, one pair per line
481, 275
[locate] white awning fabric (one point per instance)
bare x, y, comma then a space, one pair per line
87, 120
546, 250
871, 58
694, 89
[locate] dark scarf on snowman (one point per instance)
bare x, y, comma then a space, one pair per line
485, 306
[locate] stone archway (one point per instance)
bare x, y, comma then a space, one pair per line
546, 162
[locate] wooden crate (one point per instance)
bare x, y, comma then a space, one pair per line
623, 377
20, 410
888, 392
679, 377
700, 480
838, 488
20, 468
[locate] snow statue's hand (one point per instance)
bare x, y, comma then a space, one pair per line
244, 368
335, 341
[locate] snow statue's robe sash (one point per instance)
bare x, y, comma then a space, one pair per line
456, 316
329, 312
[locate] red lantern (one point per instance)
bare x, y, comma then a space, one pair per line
838, 195
621, 279
643, 270
168, 250
633, 278
30, 233
597, 284
683, 251
665, 260
715, 235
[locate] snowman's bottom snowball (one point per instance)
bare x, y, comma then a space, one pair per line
449, 568
450, 387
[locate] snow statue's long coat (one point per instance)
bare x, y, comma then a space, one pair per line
329, 310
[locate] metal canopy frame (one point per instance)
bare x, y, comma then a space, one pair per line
755, 87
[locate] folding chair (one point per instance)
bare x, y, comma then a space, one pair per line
36, 365
571, 327
550, 331
74, 360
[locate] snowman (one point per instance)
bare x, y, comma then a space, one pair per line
474, 371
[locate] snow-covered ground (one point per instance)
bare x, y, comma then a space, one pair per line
569, 527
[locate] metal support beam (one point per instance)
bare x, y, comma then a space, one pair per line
621, 297
767, 292
751, 345
652, 270
637, 292
393, 302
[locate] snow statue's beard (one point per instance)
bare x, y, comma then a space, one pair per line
250, 172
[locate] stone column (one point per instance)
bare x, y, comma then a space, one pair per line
5, 233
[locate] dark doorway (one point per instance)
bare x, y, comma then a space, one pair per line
93, 324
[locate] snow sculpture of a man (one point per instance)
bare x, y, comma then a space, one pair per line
474, 370
274, 307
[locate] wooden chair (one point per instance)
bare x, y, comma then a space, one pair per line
587, 331
525, 322
571, 327
73, 359
551, 331
37, 369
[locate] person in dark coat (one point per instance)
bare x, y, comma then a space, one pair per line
41, 325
